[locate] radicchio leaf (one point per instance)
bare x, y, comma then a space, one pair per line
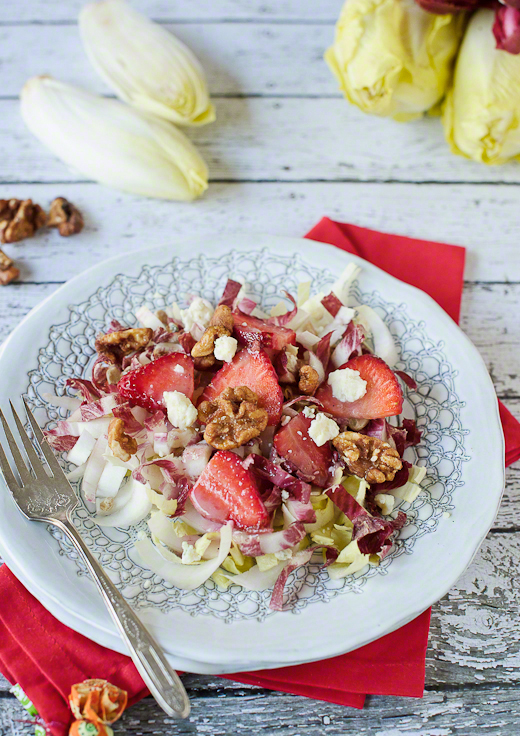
60, 442
266, 469
245, 305
231, 290
301, 511
283, 319
115, 326
370, 532
375, 428
405, 436
323, 350
264, 543
349, 345
300, 558
331, 303
187, 342
86, 388
99, 408
280, 364
407, 379
506, 29
443, 7
132, 426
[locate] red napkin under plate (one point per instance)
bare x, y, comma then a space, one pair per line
46, 657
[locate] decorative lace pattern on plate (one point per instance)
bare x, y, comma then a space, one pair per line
69, 352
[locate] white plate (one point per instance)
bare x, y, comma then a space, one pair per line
213, 632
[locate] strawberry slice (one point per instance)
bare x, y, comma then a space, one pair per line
383, 398
145, 386
227, 491
249, 330
251, 368
293, 444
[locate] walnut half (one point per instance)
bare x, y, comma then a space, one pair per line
19, 219
309, 380
221, 325
65, 216
233, 418
114, 345
121, 444
368, 457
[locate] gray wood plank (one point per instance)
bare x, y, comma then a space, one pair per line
331, 140
222, 713
207, 10
477, 216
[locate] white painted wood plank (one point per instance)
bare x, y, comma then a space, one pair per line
477, 216
239, 58
252, 10
440, 713
264, 139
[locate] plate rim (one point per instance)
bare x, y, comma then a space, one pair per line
175, 248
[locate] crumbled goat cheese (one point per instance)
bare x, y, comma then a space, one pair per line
386, 502
285, 495
179, 408
225, 348
309, 412
323, 429
198, 313
347, 385
284, 554
189, 553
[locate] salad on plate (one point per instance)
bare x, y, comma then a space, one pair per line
251, 442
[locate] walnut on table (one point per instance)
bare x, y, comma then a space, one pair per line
8, 271
121, 444
309, 380
19, 219
220, 325
232, 418
114, 345
368, 457
65, 216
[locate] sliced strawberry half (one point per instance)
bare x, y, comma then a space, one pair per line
251, 368
226, 491
383, 397
248, 330
145, 386
293, 444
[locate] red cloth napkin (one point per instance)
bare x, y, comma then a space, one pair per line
46, 657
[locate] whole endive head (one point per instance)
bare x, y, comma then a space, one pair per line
145, 65
392, 58
112, 143
482, 109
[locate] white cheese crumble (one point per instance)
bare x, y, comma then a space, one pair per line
386, 502
285, 495
309, 412
284, 554
323, 429
189, 553
347, 385
225, 348
198, 313
179, 408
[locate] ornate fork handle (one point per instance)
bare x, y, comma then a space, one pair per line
162, 681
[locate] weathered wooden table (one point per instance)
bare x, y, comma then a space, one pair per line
285, 150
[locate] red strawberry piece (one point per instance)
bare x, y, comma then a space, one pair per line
248, 330
292, 443
383, 397
145, 386
251, 368
226, 491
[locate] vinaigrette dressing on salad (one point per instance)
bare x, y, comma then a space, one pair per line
251, 442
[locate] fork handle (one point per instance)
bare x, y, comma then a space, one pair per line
162, 681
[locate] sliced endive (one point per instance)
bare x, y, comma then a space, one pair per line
145, 65
113, 143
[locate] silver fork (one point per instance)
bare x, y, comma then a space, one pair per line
48, 496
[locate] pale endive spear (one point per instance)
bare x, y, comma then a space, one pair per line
113, 143
144, 64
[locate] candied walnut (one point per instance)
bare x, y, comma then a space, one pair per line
309, 380
8, 275
204, 363
65, 216
206, 344
368, 457
233, 418
121, 444
19, 219
222, 317
114, 345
